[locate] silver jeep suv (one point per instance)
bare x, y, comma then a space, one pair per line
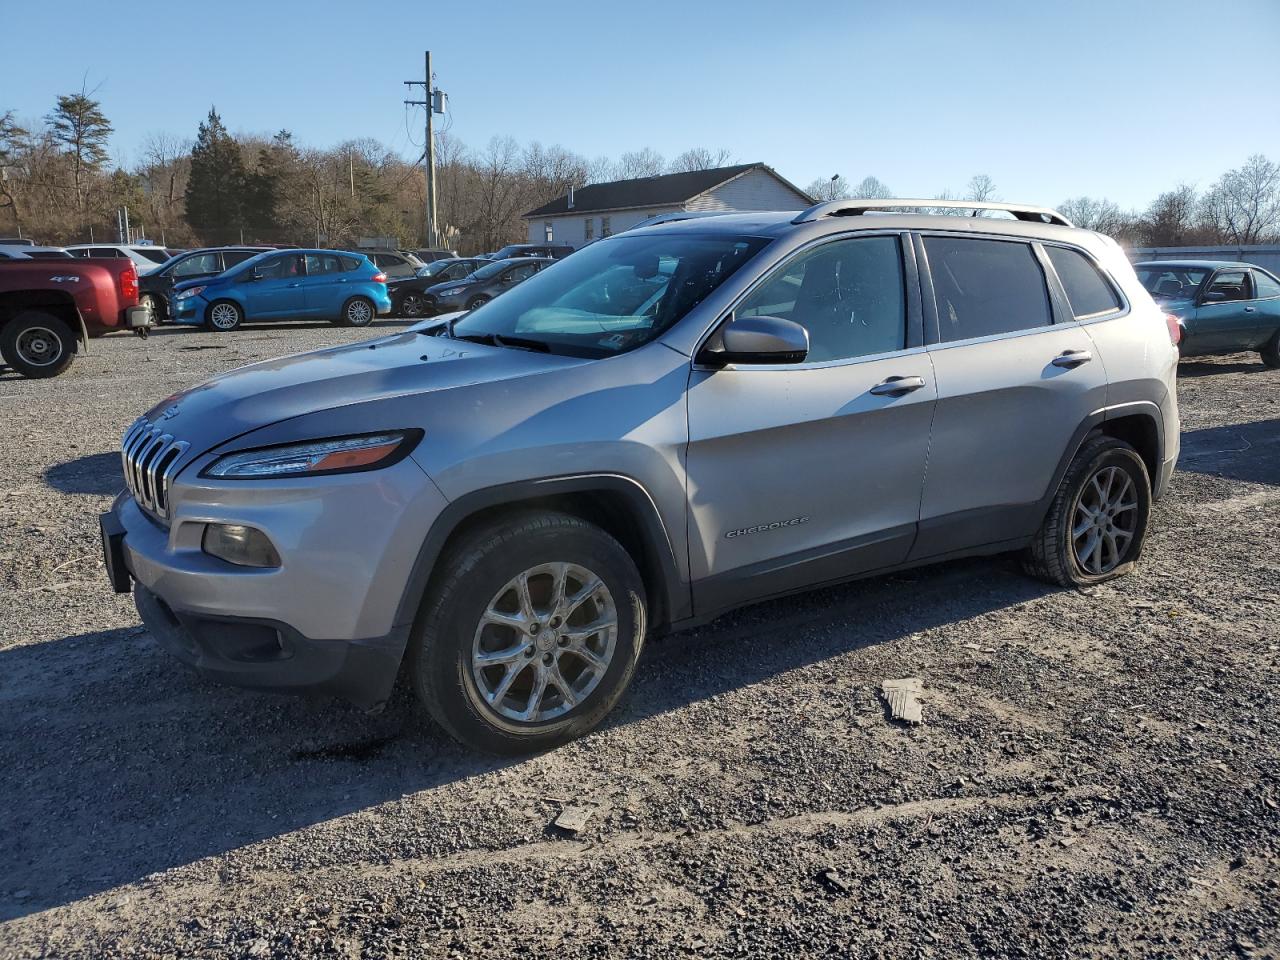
672, 422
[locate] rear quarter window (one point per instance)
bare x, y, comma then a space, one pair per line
1088, 292
349, 263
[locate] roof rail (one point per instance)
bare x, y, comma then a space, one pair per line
855, 208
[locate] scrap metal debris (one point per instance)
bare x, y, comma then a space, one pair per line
572, 818
902, 699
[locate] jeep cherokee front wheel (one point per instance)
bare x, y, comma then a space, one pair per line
531, 634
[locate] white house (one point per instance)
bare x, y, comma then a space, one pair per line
601, 209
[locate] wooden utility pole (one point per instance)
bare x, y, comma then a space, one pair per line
432, 99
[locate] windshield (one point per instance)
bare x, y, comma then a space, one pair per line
1172, 282
612, 296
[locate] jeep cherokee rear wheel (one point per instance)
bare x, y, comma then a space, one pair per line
1098, 519
1271, 352
531, 633
37, 344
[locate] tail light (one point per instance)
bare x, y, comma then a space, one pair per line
1175, 328
129, 285
379, 278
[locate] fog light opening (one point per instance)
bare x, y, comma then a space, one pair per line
239, 544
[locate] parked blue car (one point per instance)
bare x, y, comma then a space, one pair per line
334, 285
1221, 306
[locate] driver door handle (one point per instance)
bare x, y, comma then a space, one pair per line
1250, 309
1072, 358
897, 386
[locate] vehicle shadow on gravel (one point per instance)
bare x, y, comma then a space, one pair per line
123, 763
100, 474
1208, 368
1241, 451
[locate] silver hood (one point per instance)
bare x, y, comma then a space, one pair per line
355, 375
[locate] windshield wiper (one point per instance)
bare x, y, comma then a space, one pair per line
501, 340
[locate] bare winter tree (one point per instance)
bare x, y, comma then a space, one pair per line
1244, 205
834, 188
639, 163
699, 158
872, 188
981, 188
1101, 215
1171, 220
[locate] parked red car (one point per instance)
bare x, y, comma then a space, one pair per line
50, 308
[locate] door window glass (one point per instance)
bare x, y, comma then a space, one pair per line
233, 257
847, 294
1265, 285
522, 272
281, 268
200, 264
986, 287
1228, 285
1087, 292
105, 253
349, 263
318, 263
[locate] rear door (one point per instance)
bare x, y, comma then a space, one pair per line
326, 285
1226, 318
1017, 376
810, 472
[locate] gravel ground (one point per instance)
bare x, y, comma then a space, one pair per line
1098, 773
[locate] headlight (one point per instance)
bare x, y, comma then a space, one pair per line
339, 455
455, 292
187, 294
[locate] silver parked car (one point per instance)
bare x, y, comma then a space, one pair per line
671, 423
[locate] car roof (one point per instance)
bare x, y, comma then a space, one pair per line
1198, 264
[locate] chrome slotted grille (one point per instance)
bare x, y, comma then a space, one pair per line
150, 456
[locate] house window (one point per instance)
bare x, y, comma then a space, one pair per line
547, 230
605, 230
588, 229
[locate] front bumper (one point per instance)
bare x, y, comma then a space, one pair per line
189, 311
328, 619
269, 655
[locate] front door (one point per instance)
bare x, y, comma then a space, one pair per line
1013, 388
1226, 313
278, 291
805, 473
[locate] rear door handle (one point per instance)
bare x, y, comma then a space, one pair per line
1250, 309
897, 386
1072, 358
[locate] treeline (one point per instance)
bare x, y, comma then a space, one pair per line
57, 184
1240, 207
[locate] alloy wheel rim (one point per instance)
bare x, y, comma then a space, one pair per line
223, 316
358, 312
1105, 520
412, 305
544, 642
39, 346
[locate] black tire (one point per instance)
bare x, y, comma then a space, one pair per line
472, 575
479, 301
1271, 352
1053, 555
223, 316
358, 312
415, 304
37, 345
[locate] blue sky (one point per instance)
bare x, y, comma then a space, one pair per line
1117, 99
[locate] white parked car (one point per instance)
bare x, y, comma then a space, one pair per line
144, 256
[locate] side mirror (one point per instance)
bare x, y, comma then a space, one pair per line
253, 276
757, 340
1215, 296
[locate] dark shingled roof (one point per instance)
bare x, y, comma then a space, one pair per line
663, 191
